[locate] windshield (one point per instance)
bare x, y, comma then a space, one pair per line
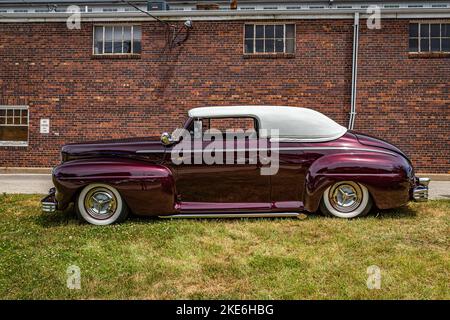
178, 132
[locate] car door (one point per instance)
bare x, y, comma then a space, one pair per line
226, 176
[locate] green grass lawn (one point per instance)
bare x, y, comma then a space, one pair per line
315, 258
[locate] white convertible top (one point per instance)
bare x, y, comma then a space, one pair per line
293, 123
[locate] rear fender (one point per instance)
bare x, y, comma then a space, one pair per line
148, 189
388, 177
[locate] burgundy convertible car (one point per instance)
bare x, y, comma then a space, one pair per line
317, 165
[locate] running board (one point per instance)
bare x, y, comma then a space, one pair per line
233, 215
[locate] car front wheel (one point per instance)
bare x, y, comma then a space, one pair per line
346, 199
100, 204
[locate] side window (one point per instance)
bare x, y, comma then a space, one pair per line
244, 127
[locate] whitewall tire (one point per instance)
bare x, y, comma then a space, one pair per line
100, 204
346, 199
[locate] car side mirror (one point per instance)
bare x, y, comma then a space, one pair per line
166, 139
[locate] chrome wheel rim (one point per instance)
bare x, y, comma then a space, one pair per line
100, 203
346, 197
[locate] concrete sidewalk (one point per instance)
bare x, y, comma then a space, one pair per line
40, 183
25, 183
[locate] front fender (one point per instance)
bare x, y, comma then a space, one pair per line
388, 177
148, 189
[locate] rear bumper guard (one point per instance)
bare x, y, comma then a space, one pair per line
49, 203
420, 191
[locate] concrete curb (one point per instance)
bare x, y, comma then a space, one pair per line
19, 170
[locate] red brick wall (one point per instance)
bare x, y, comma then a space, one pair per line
402, 99
51, 69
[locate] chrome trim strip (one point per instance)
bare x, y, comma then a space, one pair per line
420, 192
48, 207
150, 151
288, 149
424, 181
232, 215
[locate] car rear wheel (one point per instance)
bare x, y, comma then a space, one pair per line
346, 199
100, 204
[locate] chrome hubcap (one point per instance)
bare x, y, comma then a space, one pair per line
346, 196
100, 203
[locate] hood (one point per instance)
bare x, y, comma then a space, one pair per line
113, 148
379, 143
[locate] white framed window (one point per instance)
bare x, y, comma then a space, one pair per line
429, 37
117, 39
14, 125
269, 38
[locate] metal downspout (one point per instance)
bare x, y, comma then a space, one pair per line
351, 123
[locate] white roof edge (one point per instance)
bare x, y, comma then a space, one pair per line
211, 15
291, 124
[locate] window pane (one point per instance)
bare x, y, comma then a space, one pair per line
259, 46
270, 31
117, 40
435, 45
446, 30
270, 45
232, 124
413, 45
424, 45
249, 29
279, 31
279, 45
290, 46
2, 113
413, 30
424, 30
259, 31
248, 46
127, 39
9, 116
98, 40
446, 45
108, 39
2, 120
137, 34
435, 30
13, 133
290, 31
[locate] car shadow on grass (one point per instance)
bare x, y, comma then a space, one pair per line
68, 217
405, 212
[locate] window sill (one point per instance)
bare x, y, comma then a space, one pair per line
428, 55
269, 55
116, 56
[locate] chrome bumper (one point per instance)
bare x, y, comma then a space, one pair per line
420, 192
49, 203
